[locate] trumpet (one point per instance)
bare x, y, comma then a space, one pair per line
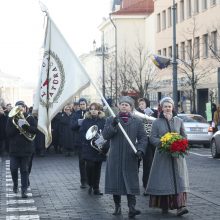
97, 140
16, 114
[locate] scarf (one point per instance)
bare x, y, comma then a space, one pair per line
124, 116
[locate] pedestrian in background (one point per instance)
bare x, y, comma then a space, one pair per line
20, 148
3, 120
144, 108
65, 131
76, 123
168, 181
93, 157
122, 163
216, 118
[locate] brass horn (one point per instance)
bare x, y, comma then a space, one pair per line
97, 140
16, 114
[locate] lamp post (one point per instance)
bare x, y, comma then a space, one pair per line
174, 62
116, 62
101, 51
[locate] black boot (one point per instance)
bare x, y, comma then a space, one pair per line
131, 205
117, 201
24, 194
117, 210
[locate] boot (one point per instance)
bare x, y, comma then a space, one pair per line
117, 201
24, 194
131, 205
117, 210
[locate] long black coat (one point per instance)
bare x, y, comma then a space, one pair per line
65, 131
18, 145
89, 153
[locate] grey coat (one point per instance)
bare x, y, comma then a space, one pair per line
121, 177
161, 179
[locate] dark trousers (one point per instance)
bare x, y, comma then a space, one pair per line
130, 198
23, 164
93, 171
147, 162
82, 168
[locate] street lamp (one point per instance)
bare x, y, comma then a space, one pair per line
174, 62
102, 51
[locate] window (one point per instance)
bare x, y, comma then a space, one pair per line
214, 46
196, 6
181, 10
182, 51
163, 19
170, 51
164, 52
177, 51
159, 52
197, 49
169, 15
189, 49
158, 23
205, 46
189, 8
204, 4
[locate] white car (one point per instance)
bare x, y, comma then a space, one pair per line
198, 130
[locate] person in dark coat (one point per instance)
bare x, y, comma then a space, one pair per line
3, 119
8, 109
168, 182
93, 157
76, 123
20, 148
122, 163
144, 108
65, 131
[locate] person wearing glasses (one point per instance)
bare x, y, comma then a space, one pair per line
65, 131
93, 157
76, 123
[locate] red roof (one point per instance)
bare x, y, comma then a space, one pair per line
134, 7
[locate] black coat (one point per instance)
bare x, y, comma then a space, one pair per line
89, 153
75, 126
18, 145
3, 120
65, 131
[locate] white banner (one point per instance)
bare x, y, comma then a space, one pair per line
62, 77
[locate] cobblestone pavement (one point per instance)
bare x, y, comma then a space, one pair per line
55, 193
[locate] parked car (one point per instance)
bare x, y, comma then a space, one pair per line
215, 145
198, 130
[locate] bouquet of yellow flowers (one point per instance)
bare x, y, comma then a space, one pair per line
174, 144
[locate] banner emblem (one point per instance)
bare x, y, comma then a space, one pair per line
52, 79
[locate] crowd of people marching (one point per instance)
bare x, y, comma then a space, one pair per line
165, 179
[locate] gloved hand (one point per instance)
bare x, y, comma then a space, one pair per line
25, 126
139, 154
115, 122
21, 122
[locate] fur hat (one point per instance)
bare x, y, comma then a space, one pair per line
127, 99
166, 99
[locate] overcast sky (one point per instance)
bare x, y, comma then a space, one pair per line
21, 30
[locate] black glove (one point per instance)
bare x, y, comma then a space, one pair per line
115, 121
139, 154
25, 127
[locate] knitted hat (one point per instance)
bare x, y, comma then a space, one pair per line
166, 99
127, 99
20, 103
82, 100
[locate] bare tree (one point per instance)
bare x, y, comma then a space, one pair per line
191, 67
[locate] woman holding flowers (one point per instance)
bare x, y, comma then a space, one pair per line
168, 182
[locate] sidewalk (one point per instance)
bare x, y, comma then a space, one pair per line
55, 194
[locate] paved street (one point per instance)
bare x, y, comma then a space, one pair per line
55, 192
